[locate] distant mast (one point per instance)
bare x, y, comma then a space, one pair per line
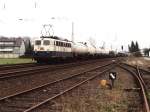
35, 5
4, 6
72, 32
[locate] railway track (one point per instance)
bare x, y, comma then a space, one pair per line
136, 72
25, 65
29, 100
16, 66
134, 67
19, 83
38, 69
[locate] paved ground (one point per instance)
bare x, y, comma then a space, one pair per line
143, 62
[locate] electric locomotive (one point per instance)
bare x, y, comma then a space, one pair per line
51, 47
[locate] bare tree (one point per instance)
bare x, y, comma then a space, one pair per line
92, 42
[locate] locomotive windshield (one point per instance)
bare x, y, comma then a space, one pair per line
46, 42
37, 42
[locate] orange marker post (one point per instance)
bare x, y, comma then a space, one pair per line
103, 83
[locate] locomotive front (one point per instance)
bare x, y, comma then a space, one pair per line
49, 49
42, 49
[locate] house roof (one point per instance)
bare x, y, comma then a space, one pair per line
17, 41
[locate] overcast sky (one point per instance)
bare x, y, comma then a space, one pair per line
115, 22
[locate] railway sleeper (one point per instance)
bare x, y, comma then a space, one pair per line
22, 106
12, 109
21, 102
25, 99
32, 102
9, 110
132, 89
18, 106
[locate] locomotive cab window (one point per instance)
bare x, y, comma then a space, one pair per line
46, 42
37, 42
65, 44
69, 45
56, 43
61, 44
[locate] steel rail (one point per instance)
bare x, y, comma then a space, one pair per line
8, 65
9, 74
135, 67
143, 90
65, 91
140, 76
39, 89
23, 65
15, 66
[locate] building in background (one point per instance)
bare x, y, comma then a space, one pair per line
11, 47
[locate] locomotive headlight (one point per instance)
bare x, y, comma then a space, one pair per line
47, 51
41, 48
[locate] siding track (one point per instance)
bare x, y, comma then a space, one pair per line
136, 72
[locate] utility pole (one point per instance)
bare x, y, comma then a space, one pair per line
111, 47
103, 46
35, 5
4, 6
72, 26
72, 31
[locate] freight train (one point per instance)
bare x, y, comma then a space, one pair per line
49, 48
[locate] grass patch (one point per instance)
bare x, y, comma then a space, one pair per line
4, 61
148, 95
102, 100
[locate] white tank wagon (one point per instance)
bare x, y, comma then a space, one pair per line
98, 51
105, 51
101, 52
79, 49
91, 50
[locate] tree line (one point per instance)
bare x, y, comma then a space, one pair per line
134, 48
